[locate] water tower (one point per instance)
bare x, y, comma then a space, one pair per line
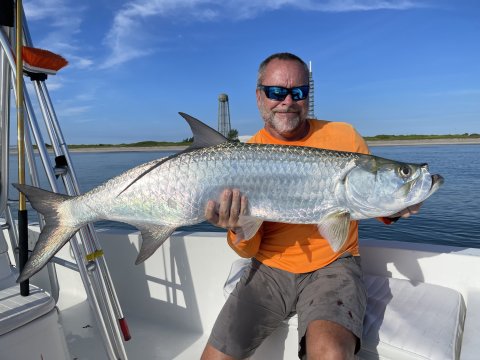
223, 115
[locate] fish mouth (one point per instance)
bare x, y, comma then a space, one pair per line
436, 181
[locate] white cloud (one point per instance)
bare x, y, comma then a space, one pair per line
55, 83
249, 9
81, 62
60, 22
359, 5
74, 110
127, 38
43, 9
124, 37
127, 41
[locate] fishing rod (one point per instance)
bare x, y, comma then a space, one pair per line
22, 206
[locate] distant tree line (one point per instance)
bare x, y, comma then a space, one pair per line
232, 135
422, 137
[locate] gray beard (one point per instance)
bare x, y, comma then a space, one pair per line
282, 126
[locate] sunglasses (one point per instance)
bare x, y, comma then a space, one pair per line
279, 93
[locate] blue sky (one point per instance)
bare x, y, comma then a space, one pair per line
386, 66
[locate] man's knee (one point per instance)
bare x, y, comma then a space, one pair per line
328, 340
210, 353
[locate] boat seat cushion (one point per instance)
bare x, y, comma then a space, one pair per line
404, 319
411, 320
17, 310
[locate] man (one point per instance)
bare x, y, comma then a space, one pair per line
293, 269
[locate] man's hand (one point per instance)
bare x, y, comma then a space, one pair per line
405, 213
226, 213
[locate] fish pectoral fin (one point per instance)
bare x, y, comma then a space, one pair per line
249, 225
153, 236
334, 228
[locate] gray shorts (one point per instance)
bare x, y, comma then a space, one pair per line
265, 296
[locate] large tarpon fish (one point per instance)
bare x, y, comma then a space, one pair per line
290, 184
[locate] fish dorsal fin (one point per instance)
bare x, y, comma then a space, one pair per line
334, 228
203, 135
153, 236
249, 225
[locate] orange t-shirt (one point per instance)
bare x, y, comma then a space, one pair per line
299, 248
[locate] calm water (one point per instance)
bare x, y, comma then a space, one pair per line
451, 216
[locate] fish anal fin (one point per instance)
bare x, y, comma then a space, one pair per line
249, 225
153, 236
334, 228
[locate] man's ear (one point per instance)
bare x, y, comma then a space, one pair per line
258, 94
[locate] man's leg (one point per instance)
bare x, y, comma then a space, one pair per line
330, 309
210, 353
328, 340
325, 340
262, 299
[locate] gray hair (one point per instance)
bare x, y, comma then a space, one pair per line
280, 56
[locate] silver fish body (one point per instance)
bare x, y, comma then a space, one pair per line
288, 184
282, 183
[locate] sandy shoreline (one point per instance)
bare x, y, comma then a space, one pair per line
459, 141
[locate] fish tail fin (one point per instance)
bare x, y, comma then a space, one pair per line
53, 235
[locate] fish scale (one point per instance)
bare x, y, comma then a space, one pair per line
276, 186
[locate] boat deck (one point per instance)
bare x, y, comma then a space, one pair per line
171, 301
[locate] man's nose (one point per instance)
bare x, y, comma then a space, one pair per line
288, 99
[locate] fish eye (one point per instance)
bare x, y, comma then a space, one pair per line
405, 171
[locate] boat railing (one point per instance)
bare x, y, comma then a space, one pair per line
88, 254
4, 116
